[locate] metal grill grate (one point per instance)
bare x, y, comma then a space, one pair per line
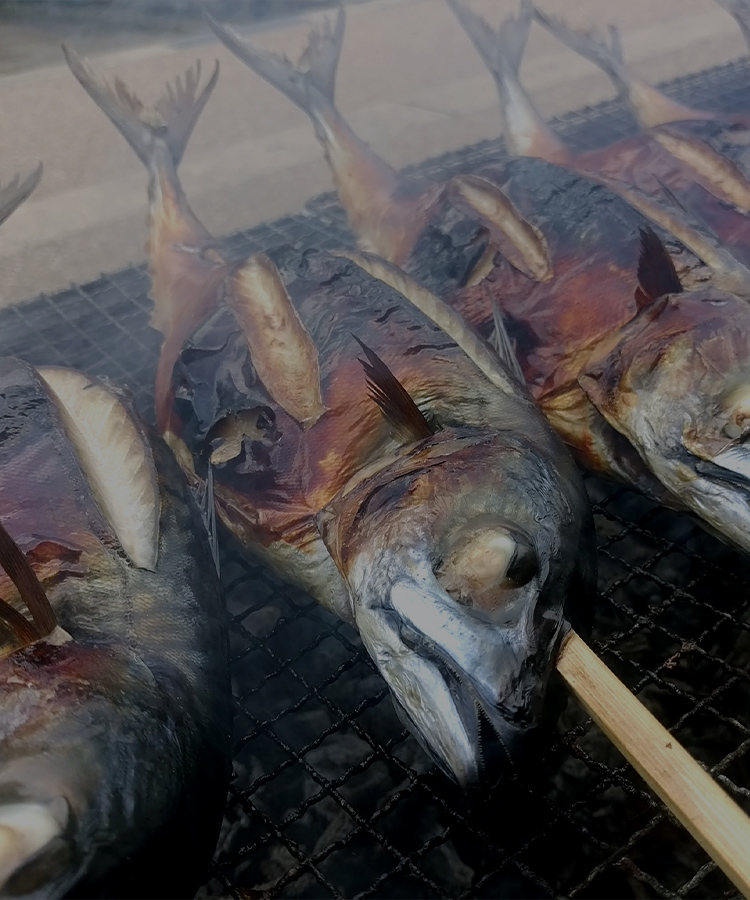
330, 797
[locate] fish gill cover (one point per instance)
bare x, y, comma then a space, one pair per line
330, 796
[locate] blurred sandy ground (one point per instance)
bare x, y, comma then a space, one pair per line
409, 81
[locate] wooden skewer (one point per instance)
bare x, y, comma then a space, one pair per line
700, 804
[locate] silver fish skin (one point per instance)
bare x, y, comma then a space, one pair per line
115, 727
677, 386
368, 446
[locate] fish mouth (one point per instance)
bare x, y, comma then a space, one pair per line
470, 690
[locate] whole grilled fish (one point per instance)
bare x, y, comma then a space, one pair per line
668, 171
451, 236
370, 448
677, 385
681, 153
114, 691
558, 252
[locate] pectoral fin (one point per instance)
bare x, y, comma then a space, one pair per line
657, 275
392, 398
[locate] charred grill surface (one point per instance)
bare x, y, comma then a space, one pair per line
330, 796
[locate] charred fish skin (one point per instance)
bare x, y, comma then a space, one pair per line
452, 250
592, 241
355, 516
114, 749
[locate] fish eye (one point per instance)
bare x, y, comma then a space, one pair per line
737, 409
523, 566
485, 559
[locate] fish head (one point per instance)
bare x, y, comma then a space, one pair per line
465, 561
677, 385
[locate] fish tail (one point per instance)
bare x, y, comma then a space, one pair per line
526, 133
170, 123
16, 191
368, 188
649, 106
740, 11
593, 47
311, 83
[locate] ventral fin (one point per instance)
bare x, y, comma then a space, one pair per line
14, 562
503, 344
394, 401
204, 496
657, 275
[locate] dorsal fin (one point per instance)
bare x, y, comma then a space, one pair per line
657, 275
32, 593
520, 242
281, 349
729, 274
115, 457
394, 401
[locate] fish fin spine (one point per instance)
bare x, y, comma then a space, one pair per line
502, 342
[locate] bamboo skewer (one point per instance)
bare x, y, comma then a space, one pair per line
700, 804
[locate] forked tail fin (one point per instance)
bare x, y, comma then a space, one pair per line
649, 106
169, 124
501, 49
307, 84
16, 191
185, 266
740, 11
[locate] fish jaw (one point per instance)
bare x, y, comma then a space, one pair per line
677, 387
463, 580
438, 714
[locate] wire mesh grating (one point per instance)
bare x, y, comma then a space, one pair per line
330, 796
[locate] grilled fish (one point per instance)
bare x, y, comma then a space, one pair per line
669, 378
115, 742
369, 447
677, 386
698, 156
558, 251
674, 178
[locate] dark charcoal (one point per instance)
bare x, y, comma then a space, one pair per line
330, 797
